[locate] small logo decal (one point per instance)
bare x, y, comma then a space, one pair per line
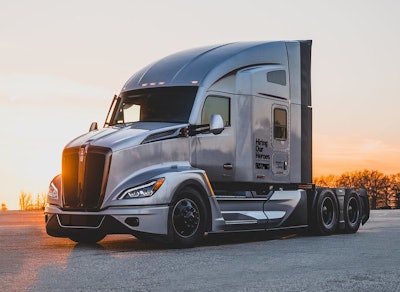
82, 154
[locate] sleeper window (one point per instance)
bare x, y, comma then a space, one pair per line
280, 124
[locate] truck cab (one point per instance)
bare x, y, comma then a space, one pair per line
213, 139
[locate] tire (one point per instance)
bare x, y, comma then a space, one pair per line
87, 236
187, 218
326, 213
352, 210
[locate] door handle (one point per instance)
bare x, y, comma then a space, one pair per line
228, 166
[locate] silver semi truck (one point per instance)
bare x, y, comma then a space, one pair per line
209, 140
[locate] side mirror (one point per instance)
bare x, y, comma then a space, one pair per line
93, 126
216, 124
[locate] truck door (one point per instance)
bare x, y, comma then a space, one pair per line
215, 153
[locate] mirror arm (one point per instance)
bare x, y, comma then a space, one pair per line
198, 129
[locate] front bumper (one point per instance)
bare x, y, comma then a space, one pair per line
122, 220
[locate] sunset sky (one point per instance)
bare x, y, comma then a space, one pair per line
62, 61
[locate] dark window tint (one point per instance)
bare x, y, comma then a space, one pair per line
280, 124
166, 104
278, 77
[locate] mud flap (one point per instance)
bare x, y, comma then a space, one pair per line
365, 205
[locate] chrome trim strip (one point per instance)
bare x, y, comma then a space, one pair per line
237, 222
259, 215
238, 198
275, 214
80, 227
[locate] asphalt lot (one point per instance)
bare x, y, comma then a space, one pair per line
366, 261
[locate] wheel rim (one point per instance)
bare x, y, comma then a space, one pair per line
185, 218
352, 210
327, 211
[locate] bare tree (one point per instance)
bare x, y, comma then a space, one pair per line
376, 184
326, 181
395, 189
348, 180
383, 190
25, 201
40, 201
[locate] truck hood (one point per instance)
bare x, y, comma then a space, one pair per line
120, 137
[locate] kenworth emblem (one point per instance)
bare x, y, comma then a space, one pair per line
82, 153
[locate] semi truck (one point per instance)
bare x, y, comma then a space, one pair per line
208, 140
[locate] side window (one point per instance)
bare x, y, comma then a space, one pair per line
216, 105
280, 124
278, 77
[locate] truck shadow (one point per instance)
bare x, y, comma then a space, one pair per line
247, 237
121, 257
129, 243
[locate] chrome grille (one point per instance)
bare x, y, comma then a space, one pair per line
84, 176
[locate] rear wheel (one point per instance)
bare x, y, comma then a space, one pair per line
187, 217
352, 212
87, 237
326, 213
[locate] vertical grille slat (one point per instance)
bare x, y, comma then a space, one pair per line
70, 163
84, 177
93, 179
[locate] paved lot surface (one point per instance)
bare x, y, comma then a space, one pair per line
366, 261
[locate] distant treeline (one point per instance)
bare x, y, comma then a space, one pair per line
383, 190
28, 202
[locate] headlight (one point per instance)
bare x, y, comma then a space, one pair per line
53, 191
145, 190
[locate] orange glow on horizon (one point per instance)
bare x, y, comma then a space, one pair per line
338, 155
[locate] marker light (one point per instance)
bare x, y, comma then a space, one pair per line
145, 190
209, 184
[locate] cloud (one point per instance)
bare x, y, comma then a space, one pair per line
369, 146
5, 44
25, 88
348, 146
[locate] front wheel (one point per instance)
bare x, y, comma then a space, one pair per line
187, 217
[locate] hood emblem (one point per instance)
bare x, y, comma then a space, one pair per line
82, 153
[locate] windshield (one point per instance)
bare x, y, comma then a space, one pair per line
166, 104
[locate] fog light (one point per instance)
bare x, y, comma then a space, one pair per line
132, 221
